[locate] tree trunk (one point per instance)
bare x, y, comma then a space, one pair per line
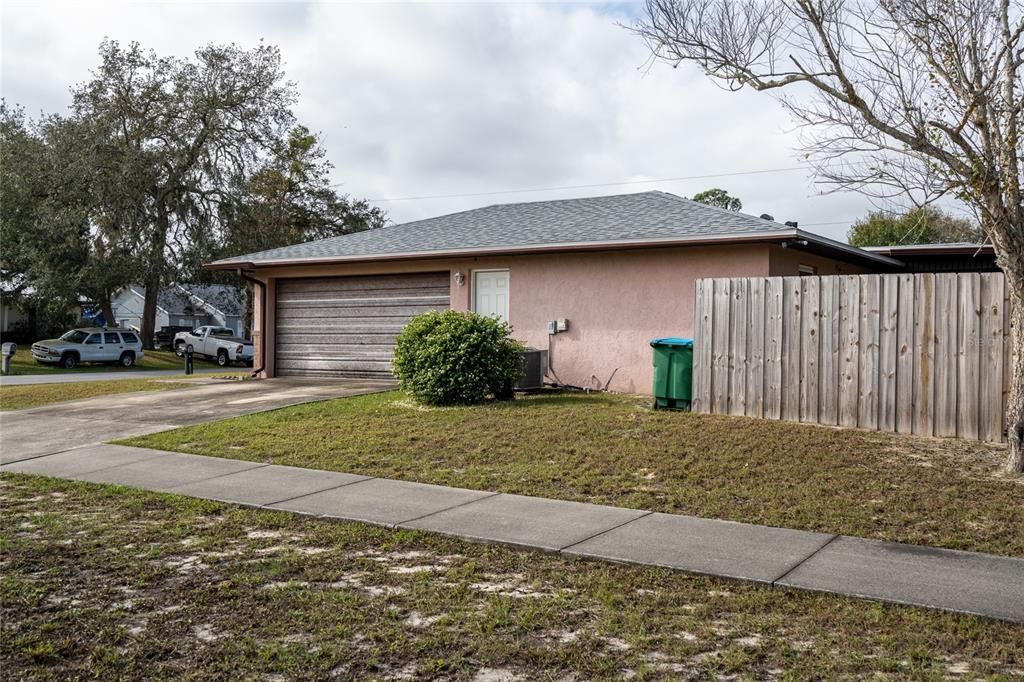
149, 312
108, 310
1015, 399
154, 276
250, 294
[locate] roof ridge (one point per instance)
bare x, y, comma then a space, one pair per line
720, 209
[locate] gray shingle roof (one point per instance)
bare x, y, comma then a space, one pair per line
618, 218
174, 299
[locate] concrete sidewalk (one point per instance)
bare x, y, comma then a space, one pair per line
966, 582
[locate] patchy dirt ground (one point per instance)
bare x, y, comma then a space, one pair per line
103, 582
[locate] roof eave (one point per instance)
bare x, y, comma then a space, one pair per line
775, 236
934, 249
851, 252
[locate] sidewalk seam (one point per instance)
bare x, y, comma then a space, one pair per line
268, 505
161, 453
55, 452
441, 511
606, 530
213, 478
775, 581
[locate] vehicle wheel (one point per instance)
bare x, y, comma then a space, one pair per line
127, 359
69, 361
222, 358
179, 349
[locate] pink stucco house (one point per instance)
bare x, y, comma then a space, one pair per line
619, 270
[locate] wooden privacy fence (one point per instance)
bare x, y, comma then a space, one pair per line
914, 353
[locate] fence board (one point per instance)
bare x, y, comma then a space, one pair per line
888, 321
720, 347
945, 354
702, 338
828, 383
867, 407
810, 289
849, 353
791, 343
905, 354
1008, 341
755, 344
990, 384
738, 347
968, 354
773, 348
925, 353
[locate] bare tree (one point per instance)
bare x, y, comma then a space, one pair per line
915, 99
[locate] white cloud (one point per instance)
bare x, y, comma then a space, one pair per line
421, 99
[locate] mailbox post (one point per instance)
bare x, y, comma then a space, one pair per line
188, 359
9, 349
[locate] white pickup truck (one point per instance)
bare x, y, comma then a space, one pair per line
218, 343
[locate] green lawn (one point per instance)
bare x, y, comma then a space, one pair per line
614, 450
108, 583
22, 363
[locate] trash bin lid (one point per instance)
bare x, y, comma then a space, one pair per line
672, 341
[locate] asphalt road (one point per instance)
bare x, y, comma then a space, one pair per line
74, 377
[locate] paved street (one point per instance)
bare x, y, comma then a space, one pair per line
74, 377
64, 441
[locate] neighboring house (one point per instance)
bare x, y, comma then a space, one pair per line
11, 316
619, 269
19, 319
957, 257
190, 305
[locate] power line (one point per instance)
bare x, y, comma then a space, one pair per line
590, 186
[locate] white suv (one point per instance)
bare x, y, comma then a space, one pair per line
119, 346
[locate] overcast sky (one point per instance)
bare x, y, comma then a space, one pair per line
453, 98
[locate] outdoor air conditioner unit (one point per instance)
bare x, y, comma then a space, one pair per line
535, 368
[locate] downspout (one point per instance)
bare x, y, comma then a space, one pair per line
263, 318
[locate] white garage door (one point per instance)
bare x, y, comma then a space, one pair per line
346, 326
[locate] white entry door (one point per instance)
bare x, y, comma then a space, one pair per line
490, 293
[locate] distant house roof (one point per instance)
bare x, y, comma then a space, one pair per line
951, 248
608, 222
951, 257
187, 299
227, 299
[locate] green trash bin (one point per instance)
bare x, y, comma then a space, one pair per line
673, 372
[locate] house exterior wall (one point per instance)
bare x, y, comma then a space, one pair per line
127, 308
615, 302
10, 315
785, 262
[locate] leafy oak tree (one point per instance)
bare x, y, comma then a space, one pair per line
926, 225
288, 200
720, 198
897, 99
61, 226
188, 131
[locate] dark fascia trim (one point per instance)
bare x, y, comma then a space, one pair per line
849, 252
790, 236
933, 250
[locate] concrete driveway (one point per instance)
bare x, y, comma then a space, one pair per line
25, 434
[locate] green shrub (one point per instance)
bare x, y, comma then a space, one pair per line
453, 358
